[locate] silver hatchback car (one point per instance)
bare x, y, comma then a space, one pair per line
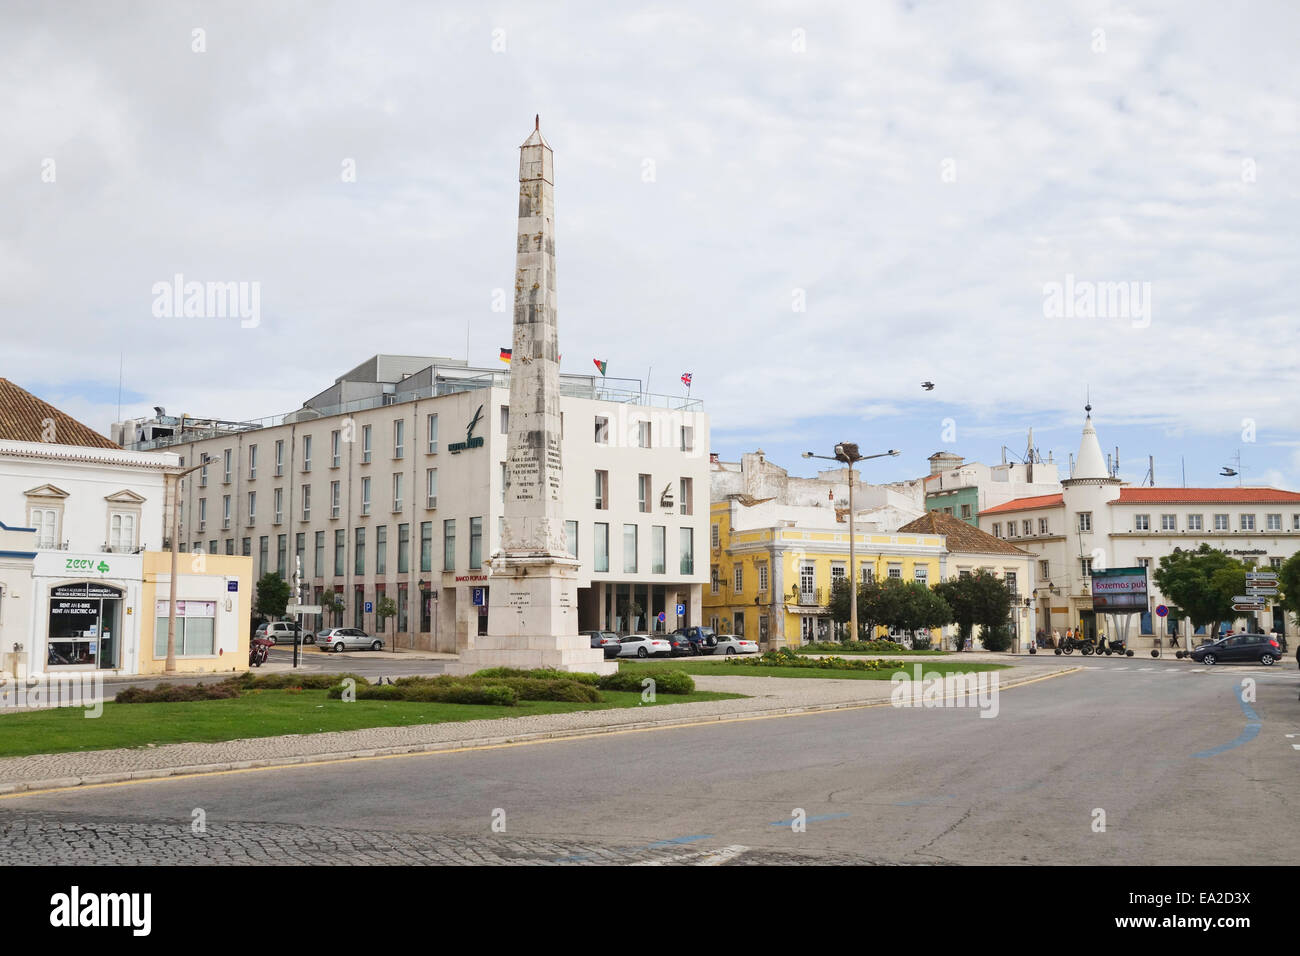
347, 638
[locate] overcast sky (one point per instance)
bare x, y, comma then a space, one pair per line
813, 208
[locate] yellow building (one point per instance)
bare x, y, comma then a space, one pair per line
772, 568
214, 601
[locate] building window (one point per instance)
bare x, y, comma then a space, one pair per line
252, 462
1011, 529
431, 489
1247, 522
715, 582
739, 574
1042, 526
571, 538
121, 532
282, 555
431, 434
278, 499
252, 508
1220, 522
1169, 522
629, 548
738, 623
762, 574
225, 511
399, 438
602, 430
300, 551
426, 545
1026, 528
340, 551
643, 434
921, 575
602, 490
600, 546
1085, 566
306, 453
320, 554
715, 535
1009, 579
687, 494
1141, 522
397, 492
1085, 520
365, 496
1273, 522
1144, 562
195, 623
306, 502
334, 499
403, 608
203, 475
279, 458
1195, 522
336, 449
203, 513
688, 438
263, 554
896, 571
365, 444
381, 550
997, 529
505, 419
1043, 571
359, 553
475, 543
658, 545
643, 493
1295, 522
449, 545
358, 607
225, 456
403, 549
1275, 562
230, 546
686, 543
965, 511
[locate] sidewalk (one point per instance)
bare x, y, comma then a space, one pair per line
768, 697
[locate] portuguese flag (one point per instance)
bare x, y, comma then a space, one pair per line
601, 364
505, 355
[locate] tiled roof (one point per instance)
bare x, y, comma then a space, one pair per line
960, 536
1172, 496
1024, 504
23, 417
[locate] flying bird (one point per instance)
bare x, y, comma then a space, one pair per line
1227, 472
928, 386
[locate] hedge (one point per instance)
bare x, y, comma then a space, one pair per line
176, 693
665, 682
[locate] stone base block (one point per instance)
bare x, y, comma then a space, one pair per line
536, 652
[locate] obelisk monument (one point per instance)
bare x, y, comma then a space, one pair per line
533, 609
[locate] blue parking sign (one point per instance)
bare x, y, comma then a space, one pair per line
681, 609
370, 606
478, 597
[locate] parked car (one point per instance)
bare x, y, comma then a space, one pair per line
602, 638
613, 649
681, 646
349, 638
1238, 647
703, 639
643, 645
281, 632
731, 644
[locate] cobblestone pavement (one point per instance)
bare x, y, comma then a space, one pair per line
40, 839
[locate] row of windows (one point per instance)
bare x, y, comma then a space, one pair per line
398, 487
1026, 528
808, 571
1196, 522
644, 434
645, 495
1085, 564
631, 548
123, 529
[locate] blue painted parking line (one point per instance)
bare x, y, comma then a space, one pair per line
1249, 733
825, 816
679, 840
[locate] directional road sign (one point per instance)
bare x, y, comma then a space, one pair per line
302, 609
1248, 607
1261, 575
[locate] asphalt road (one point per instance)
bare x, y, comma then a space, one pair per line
1184, 771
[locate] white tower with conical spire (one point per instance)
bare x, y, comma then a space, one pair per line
1086, 494
533, 608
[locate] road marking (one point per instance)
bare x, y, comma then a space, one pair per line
1294, 746
678, 840
1248, 733
825, 816
342, 761
698, 857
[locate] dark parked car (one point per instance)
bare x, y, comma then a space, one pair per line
1238, 648
702, 639
682, 647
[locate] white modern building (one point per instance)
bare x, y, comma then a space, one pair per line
390, 484
1096, 521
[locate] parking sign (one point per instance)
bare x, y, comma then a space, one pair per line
681, 609
478, 597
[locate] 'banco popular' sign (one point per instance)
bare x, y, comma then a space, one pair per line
470, 441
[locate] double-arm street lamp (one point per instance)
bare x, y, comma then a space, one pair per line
848, 453
169, 667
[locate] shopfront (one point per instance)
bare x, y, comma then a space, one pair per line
85, 629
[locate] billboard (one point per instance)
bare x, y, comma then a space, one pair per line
1120, 590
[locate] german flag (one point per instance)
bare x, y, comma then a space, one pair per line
505, 355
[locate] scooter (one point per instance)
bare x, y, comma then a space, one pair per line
259, 649
1113, 647
1084, 645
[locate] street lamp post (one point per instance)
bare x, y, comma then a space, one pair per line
847, 452
169, 667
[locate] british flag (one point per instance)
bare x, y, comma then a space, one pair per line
686, 379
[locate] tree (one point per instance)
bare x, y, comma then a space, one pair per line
384, 609
1188, 578
981, 598
868, 606
331, 603
1288, 584
272, 595
910, 606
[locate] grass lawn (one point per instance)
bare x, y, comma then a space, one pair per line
849, 655
723, 669
266, 713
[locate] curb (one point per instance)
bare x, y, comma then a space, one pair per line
470, 743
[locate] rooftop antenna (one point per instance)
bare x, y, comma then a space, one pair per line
121, 363
1184, 462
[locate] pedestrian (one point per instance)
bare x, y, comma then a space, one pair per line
1056, 637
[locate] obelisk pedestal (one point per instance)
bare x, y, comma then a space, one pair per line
533, 607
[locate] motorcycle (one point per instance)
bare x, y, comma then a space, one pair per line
1113, 647
259, 649
1085, 645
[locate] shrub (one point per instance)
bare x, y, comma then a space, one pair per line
784, 657
443, 690
540, 672
852, 647
248, 680
666, 682
174, 693
996, 638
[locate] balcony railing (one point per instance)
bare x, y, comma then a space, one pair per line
809, 597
